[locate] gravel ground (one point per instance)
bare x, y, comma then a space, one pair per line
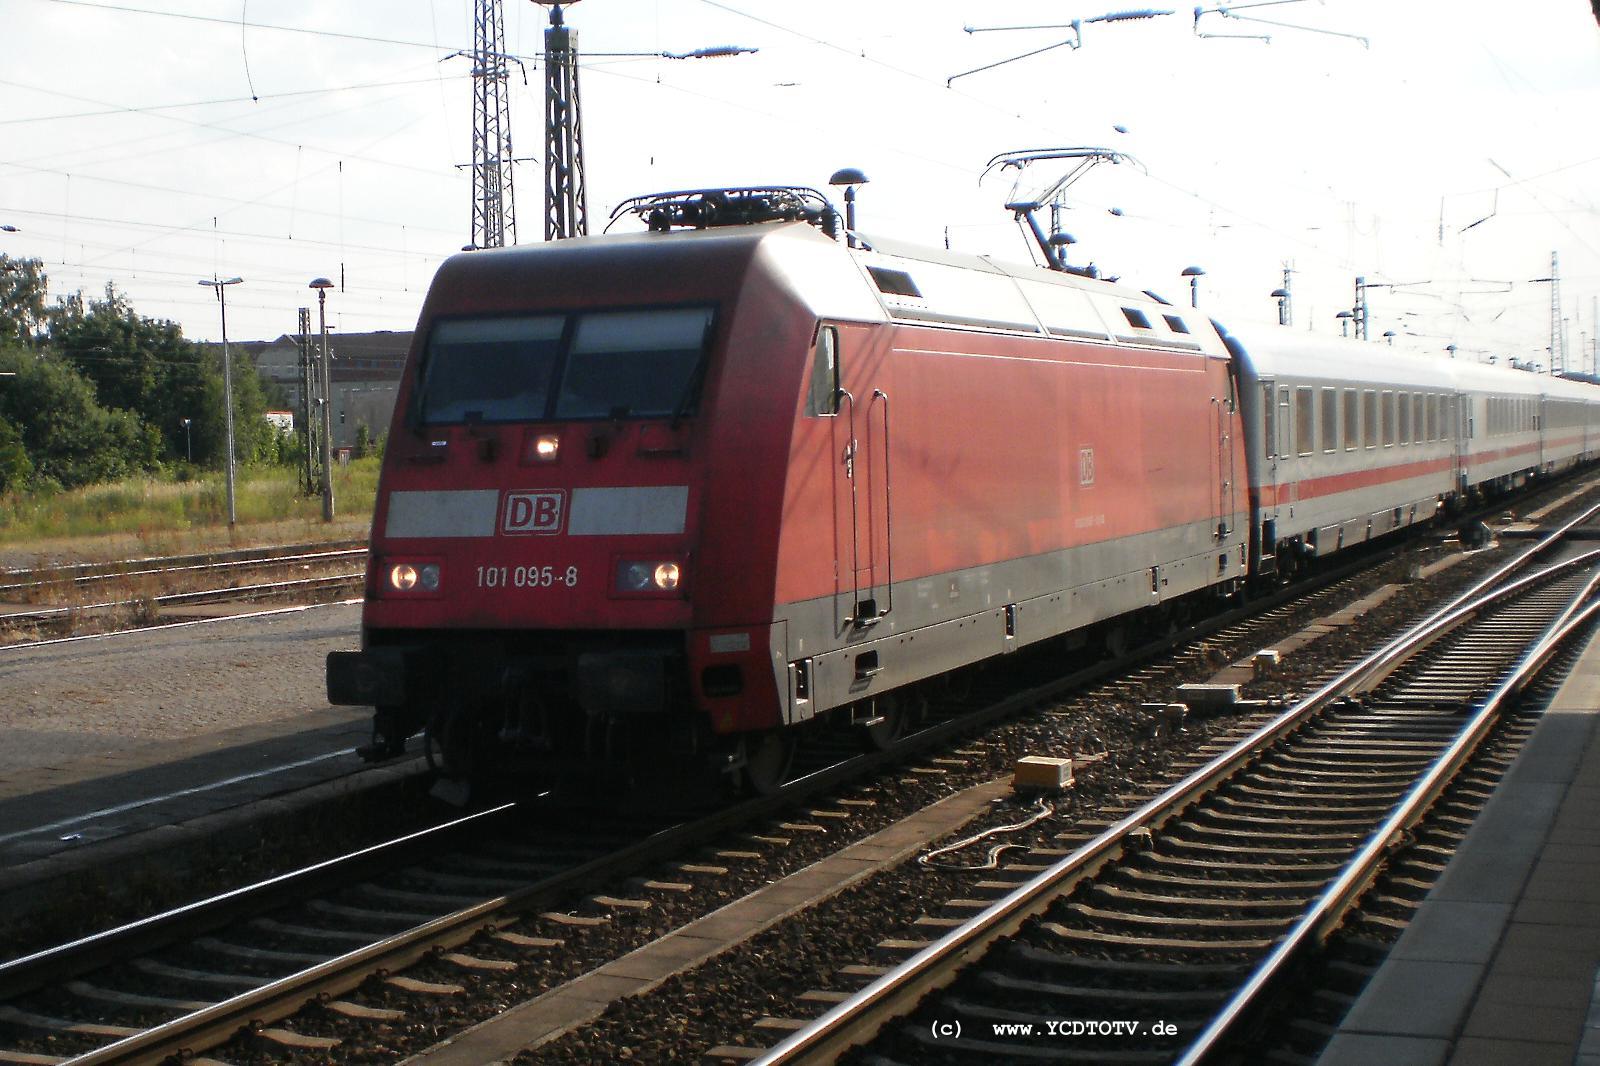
109, 694
716, 1002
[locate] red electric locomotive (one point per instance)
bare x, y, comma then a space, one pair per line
675, 492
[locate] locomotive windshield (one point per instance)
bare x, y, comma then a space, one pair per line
495, 370
601, 364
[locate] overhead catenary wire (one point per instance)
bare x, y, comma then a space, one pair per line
1318, 252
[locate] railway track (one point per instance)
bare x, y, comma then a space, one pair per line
242, 960
188, 980
53, 599
1161, 938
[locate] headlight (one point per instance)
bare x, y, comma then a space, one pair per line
648, 575
403, 577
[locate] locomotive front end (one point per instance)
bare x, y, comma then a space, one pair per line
533, 590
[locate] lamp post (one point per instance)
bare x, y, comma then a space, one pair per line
322, 285
227, 384
1388, 335
1451, 349
188, 442
1282, 296
1194, 274
1344, 318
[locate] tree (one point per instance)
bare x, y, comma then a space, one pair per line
16, 469
141, 365
22, 300
70, 439
250, 428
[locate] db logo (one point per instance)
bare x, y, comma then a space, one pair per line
1086, 466
526, 513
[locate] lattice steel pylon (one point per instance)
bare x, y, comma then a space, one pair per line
493, 196
1558, 336
566, 196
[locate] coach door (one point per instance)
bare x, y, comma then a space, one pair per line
1540, 420
1271, 436
1226, 477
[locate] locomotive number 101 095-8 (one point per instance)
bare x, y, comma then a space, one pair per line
526, 577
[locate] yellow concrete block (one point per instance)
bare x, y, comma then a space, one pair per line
1041, 773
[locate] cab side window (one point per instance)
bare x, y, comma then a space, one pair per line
823, 398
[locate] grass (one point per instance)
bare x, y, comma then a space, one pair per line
163, 516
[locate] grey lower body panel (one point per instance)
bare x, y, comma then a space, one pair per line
1341, 520
939, 623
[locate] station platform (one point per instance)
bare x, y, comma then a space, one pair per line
170, 751
1501, 964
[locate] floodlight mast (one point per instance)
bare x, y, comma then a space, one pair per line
1025, 209
566, 190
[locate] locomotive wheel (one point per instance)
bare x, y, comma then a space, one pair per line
1116, 641
767, 760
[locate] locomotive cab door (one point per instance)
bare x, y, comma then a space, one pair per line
860, 476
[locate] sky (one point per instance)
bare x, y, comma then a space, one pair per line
1444, 155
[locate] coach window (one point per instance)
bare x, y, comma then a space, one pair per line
1403, 400
1369, 418
1433, 416
1284, 422
1269, 422
1416, 418
1388, 418
1304, 412
1330, 420
1352, 420
823, 399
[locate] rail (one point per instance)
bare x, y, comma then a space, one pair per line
217, 1022
858, 1018
1326, 913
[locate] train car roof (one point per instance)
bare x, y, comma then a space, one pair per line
891, 280
936, 286
1271, 351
